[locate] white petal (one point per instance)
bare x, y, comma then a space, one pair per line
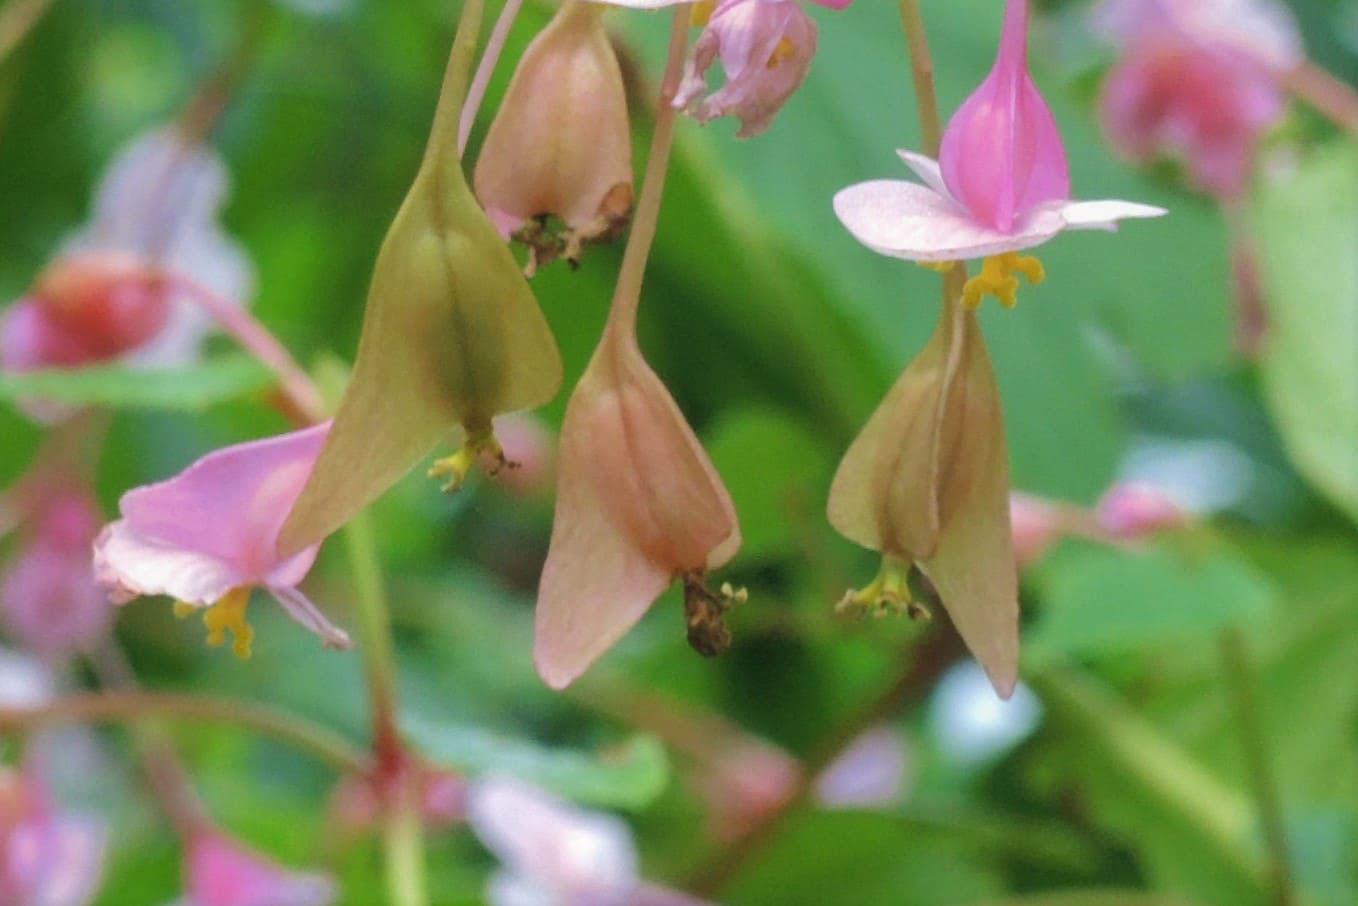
301, 609
128, 565
909, 221
927, 169
561, 848
1104, 214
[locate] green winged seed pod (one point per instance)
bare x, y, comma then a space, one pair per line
452, 337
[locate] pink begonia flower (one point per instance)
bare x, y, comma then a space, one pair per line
639, 506
209, 535
154, 212
1197, 79
554, 854
221, 872
46, 858
1000, 184
765, 47
48, 596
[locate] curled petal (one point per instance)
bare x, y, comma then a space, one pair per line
128, 565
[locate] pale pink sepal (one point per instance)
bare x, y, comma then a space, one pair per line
924, 223
1001, 154
638, 505
214, 527
221, 872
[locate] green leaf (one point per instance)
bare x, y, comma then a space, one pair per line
777, 473
190, 387
628, 776
1105, 601
1307, 227
1090, 898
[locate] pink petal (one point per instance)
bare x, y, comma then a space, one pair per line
49, 597
1002, 154
905, 220
229, 505
128, 565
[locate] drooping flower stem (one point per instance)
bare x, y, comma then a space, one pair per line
922, 69
379, 662
117, 705
1240, 677
296, 386
627, 294
444, 149
485, 68
1332, 97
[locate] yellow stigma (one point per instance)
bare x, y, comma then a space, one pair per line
480, 443
997, 279
941, 267
780, 53
888, 594
229, 613
701, 11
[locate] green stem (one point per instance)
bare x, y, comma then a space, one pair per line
922, 69
627, 294
1240, 677
442, 151
403, 839
131, 705
375, 643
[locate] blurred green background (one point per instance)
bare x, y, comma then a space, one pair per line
777, 334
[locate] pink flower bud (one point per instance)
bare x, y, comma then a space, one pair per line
1002, 155
50, 601
639, 505
765, 48
109, 302
560, 143
220, 872
1133, 510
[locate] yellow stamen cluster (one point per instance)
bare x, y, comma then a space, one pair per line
226, 614
997, 279
455, 468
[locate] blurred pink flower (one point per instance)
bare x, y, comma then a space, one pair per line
50, 602
209, 535
873, 771
1197, 80
221, 872
529, 447
102, 297
554, 854
1129, 511
1037, 524
46, 858
765, 47
1000, 185
356, 803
